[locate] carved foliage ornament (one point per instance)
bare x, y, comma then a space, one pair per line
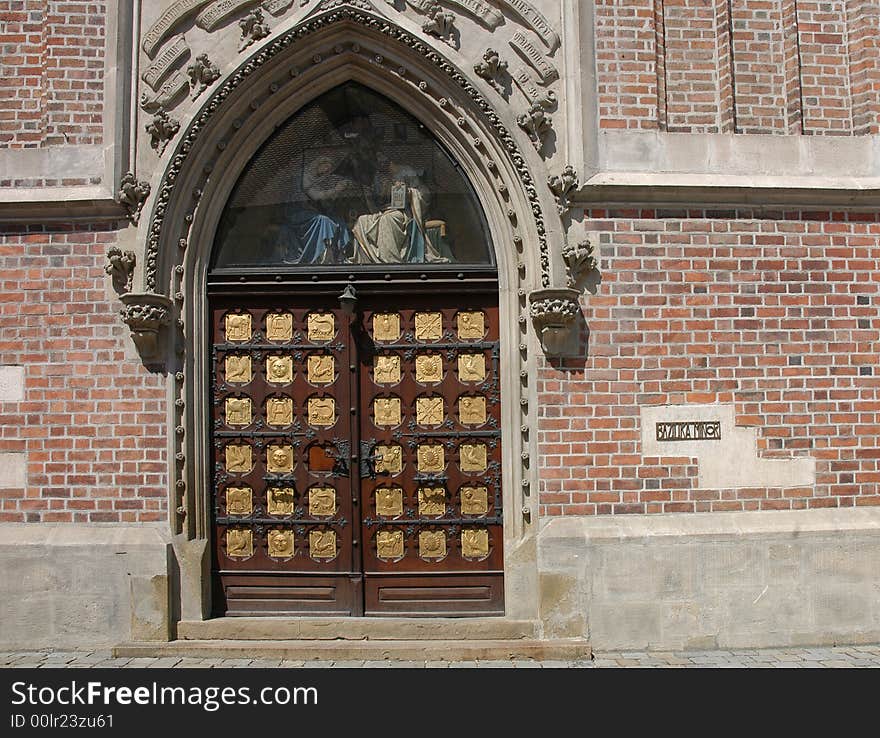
253, 28
120, 267
132, 194
580, 259
145, 315
562, 185
490, 68
162, 129
536, 123
202, 73
440, 23
553, 313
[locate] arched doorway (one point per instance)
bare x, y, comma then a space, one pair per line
355, 428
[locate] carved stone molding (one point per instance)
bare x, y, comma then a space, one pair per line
146, 314
202, 73
132, 193
580, 260
490, 68
120, 267
553, 313
161, 130
253, 28
562, 185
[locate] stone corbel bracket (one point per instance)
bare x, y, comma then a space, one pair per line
554, 314
146, 314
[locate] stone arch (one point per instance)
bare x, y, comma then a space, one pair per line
287, 72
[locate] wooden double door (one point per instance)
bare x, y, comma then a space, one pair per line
357, 453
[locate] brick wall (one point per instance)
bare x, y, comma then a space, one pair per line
51, 72
774, 312
753, 66
92, 422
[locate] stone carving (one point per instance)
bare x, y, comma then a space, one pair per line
490, 67
580, 259
174, 14
535, 20
533, 57
120, 268
175, 86
253, 28
279, 6
562, 185
132, 193
202, 73
392, 33
217, 12
553, 313
161, 68
545, 98
145, 315
481, 11
440, 23
162, 129
536, 123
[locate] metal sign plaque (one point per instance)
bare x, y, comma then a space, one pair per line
689, 430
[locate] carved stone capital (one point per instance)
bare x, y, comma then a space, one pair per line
554, 313
146, 314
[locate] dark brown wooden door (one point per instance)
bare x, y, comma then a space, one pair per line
357, 457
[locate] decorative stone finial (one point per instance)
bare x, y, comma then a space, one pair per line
120, 268
132, 193
562, 185
202, 73
553, 313
146, 314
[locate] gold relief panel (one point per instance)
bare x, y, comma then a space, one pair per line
432, 500
386, 369
238, 459
429, 368
238, 411
471, 325
322, 369
321, 326
432, 544
472, 457
429, 326
279, 326
279, 501
322, 544
389, 501
279, 459
431, 458
472, 410
239, 543
475, 543
322, 411
429, 410
239, 501
279, 411
386, 411
388, 459
238, 369
279, 369
389, 544
238, 327
471, 367
386, 326
322, 501
474, 500
280, 543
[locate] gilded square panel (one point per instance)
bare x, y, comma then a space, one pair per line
238, 369
322, 501
472, 457
280, 543
431, 458
279, 411
238, 459
321, 369
279, 326
279, 459
429, 410
471, 325
389, 501
386, 369
388, 459
474, 500
475, 543
386, 326
471, 367
472, 410
322, 544
279, 369
279, 500
429, 326
238, 411
429, 368
239, 501
389, 544
322, 411
432, 544
432, 500
321, 326
386, 411
239, 543
238, 327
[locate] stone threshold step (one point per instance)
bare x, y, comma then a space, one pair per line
368, 628
347, 650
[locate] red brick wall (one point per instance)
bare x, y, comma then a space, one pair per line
776, 313
51, 72
92, 422
751, 66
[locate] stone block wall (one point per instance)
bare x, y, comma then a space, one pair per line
83, 429
772, 313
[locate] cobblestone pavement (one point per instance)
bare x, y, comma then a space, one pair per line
837, 657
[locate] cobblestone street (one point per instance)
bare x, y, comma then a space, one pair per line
838, 657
